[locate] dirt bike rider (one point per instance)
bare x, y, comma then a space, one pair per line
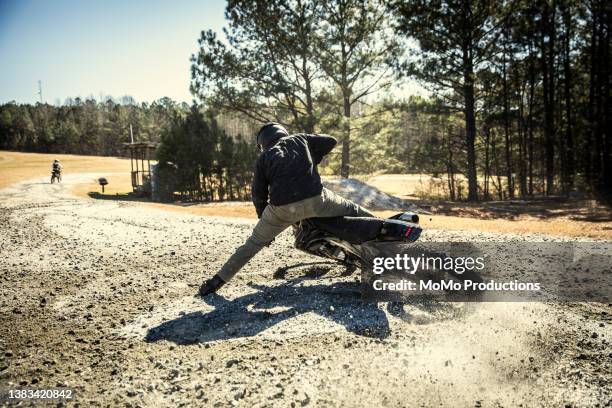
286, 189
56, 168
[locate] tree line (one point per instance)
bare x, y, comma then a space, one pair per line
84, 126
521, 89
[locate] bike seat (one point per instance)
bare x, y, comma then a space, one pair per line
352, 229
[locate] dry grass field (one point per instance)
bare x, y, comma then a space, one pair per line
574, 219
408, 186
16, 166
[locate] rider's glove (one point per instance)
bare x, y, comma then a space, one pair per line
211, 285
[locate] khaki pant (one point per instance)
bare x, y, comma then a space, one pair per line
275, 219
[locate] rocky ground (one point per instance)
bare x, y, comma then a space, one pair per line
98, 296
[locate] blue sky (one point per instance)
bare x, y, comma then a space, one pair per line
88, 48
98, 48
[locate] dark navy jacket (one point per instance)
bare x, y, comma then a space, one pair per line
287, 172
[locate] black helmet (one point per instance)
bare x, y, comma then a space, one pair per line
269, 134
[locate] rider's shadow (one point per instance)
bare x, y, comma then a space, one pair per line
251, 314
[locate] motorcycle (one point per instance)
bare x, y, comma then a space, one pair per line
56, 175
356, 241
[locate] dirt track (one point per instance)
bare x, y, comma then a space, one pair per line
98, 296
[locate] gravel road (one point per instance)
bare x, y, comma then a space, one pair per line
98, 296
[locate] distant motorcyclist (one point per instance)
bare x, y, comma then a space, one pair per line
286, 189
56, 171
